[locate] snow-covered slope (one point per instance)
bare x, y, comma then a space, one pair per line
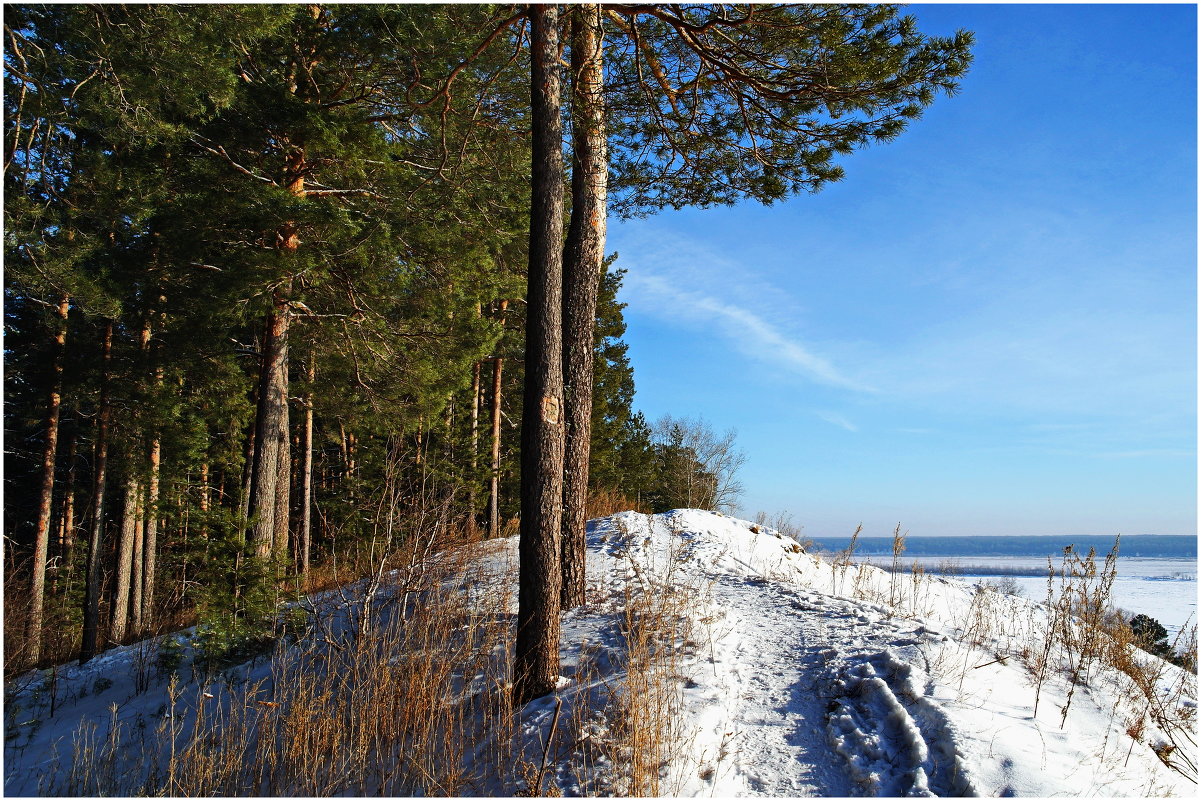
839, 680
768, 671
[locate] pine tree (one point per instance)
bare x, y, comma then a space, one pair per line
536, 653
582, 267
712, 104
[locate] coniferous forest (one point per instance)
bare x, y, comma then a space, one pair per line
285, 285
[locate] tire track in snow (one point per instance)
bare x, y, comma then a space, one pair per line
827, 698
896, 741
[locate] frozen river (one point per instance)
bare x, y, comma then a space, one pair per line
1165, 589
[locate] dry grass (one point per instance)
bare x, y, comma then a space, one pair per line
783, 524
626, 732
398, 685
359, 704
842, 562
1076, 639
602, 503
1073, 640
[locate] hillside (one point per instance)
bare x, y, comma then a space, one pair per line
714, 657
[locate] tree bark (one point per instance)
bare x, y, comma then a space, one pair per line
271, 433
150, 544
41, 536
306, 474
91, 602
536, 653
283, 487
582, 264
131, 525
494, 480
270, 493
150, 514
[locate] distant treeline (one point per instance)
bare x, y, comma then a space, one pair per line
1162, 546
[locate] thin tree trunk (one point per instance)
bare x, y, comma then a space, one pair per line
150, 564
306, 474
155, 459
283, 490
494, 480
41, 536
66, 537
582, 265
536, 651
247, 477
139, 565
204, 486
91, 603
346, 450
476, 389
494, 489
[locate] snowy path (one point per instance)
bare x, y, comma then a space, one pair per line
778, 706
820, 695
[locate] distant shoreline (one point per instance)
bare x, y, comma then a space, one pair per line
1148, 546
951, 567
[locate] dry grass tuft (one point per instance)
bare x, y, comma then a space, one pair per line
384, 700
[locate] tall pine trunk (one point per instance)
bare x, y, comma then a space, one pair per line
131, 524
498, 365
536, 653
582, 265
41, 536
270, 486
271, 433
91, 601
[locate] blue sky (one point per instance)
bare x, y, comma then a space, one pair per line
988, 327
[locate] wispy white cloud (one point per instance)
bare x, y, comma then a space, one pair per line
748, 330
837, 419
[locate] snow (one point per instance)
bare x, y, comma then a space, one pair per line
786, 675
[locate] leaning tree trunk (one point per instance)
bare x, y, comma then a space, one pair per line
494, 480
91, 602
536, 652
582, 265
41, 536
